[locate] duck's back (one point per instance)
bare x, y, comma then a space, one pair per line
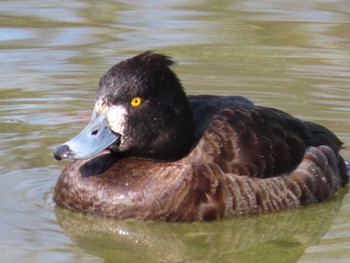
268, 159
257, 141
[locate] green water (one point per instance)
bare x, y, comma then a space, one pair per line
291, 55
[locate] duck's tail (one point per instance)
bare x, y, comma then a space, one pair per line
344, 169
320, 135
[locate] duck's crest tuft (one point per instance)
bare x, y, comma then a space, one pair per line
150, 57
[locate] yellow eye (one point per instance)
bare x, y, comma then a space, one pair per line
136, 101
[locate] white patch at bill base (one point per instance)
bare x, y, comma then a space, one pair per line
116, 116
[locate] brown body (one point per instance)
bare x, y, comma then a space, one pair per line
245, 160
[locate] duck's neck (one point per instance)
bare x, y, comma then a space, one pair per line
171, 136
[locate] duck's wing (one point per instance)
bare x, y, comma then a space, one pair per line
256, 141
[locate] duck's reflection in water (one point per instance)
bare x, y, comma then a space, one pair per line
262, 238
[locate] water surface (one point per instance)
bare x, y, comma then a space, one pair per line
290, 55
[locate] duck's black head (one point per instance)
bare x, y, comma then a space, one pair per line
141, 110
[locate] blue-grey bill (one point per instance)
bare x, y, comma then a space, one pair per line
94, 138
